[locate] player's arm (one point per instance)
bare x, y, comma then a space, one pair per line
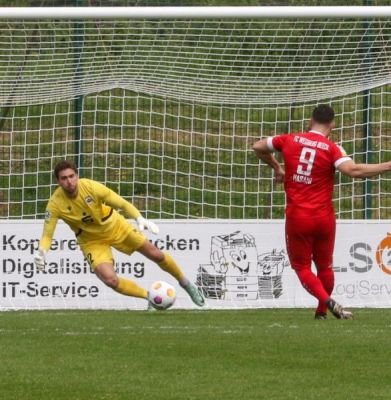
112, 199
46, 239
350, 168
263, 150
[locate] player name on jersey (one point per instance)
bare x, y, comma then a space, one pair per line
302, 179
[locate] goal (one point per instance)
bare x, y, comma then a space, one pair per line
162, 104
164, 110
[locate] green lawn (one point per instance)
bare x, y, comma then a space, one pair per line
249, 354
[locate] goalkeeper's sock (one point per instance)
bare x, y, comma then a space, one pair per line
169, 265
326, 276
130, 288
313, 285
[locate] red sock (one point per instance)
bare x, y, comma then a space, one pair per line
326, 276
313, 285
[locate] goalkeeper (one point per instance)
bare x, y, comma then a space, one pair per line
89, 208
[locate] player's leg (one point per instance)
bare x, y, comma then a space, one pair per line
101, 260
168, 264
163, 259
326, 276
299, 242
323, 250
106, 273
128, 239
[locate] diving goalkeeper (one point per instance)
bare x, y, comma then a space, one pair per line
89, 208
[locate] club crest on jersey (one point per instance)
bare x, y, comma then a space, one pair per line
89, 200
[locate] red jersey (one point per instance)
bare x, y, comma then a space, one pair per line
310, 162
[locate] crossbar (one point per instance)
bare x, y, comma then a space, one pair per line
27, 13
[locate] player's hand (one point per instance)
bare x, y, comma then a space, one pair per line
39, 260
142, 224
279, 175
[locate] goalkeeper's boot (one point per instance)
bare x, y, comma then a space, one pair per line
320, 315
338, 311
195, 293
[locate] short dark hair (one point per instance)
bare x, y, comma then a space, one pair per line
323, 114
64, 165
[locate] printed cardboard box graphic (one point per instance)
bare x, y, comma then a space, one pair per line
270, 268
238, 272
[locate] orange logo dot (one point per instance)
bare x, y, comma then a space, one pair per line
383, 254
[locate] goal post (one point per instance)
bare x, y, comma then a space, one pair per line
162, 104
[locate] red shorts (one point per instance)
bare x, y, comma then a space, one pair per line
310, 239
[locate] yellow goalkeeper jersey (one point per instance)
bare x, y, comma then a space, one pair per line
91, 215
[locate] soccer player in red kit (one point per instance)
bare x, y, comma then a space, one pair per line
310, 161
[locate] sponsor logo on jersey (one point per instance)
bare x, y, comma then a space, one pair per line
311, 143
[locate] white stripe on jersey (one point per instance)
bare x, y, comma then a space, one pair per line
341, 160
269, 142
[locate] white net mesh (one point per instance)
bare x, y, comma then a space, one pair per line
166, 111
237, 62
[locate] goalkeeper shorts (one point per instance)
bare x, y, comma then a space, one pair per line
125, 238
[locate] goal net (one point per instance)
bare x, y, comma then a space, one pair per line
164, 111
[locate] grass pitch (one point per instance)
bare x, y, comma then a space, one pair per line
249, 354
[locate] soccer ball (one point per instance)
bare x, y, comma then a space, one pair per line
161, 295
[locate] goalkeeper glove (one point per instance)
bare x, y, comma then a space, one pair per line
142, 224
39, 260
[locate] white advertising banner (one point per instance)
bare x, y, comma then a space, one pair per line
237, 264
